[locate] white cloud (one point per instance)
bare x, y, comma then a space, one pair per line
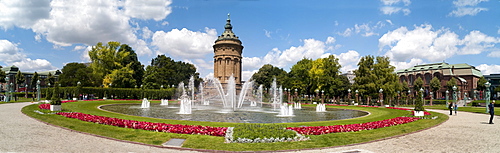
245, 75
348, 60
422, 42
330, 40
489, 69
494, 54
185, 43
390, 7
12, 55
405, 65
146, 33
346, 33
467, 7
28, 64
267, 33
150, 9
389, 21
23, 13
476, 42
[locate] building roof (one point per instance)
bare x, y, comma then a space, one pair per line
228, 33
447, 68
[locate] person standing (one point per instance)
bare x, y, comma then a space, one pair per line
491, 108
455, 107
450, 107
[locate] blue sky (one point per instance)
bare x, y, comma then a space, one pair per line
40, 35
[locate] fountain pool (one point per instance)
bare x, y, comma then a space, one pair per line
264, 114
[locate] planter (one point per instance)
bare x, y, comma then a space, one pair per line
55, 107
75, 98
418, 113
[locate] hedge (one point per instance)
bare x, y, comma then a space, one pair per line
115, 93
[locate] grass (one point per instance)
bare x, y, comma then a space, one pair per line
19, 100
481, 110
217, 143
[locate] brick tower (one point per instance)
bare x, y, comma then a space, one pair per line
227, 55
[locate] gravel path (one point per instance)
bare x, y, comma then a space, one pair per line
465, 132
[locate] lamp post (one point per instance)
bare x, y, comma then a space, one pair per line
322, 96
447, 93
454, 94
11, 90
432, 94
7, 96
422, 95
296, 92
465, 98
487, 85
357, 96
317, 92
38, 90
408, 97
399, 92
26, 91
381, 95
348, 96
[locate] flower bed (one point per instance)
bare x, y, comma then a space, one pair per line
159, 127
47, 106
367, 106
318, 130
398, 108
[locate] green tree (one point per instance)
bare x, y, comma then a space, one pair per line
165, 71
51, 79
72, 73
419, 104
419, 83
480, 84
299, 76
325, 75
20, 79
2, 75
450, 83
106, 58
121, 78
56, 96
34, 79
371, 76
133, 63
435, 85
267, 73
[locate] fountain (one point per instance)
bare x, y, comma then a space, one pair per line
320, 108
185, 107
297, 105
145, 103
285, 110
164, 102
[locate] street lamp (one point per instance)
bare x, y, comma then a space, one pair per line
409, 96
422, 95
26, 91
38, 90
7, 95
455, 94
465, 98
348, 96
381, 91
357, 95
399, 94
447, 93
322, 96
431, 97
487, 85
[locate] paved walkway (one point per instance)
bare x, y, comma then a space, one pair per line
465, 132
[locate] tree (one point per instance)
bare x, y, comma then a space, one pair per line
121, 78
371, 76
435, 85
419, 104
34, 79
72, 73
106, 58
133, 63
419, 83
299, 76
51, 79
165, 71
449, 84
325, 76
2, 75
19, 79
267, 73
480, 84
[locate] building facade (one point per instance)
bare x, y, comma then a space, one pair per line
467, 77
494, 79
227, 56
11, 72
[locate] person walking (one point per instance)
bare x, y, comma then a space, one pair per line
450, 107
491, 108
455, 108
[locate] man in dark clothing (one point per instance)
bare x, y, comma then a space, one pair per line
491, 108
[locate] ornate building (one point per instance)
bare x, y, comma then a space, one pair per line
227, 55
466, 76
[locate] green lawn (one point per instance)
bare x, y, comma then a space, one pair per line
481, 110
217, 143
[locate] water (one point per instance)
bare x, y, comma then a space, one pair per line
264, 114
145, 103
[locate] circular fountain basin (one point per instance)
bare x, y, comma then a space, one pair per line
245, 115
